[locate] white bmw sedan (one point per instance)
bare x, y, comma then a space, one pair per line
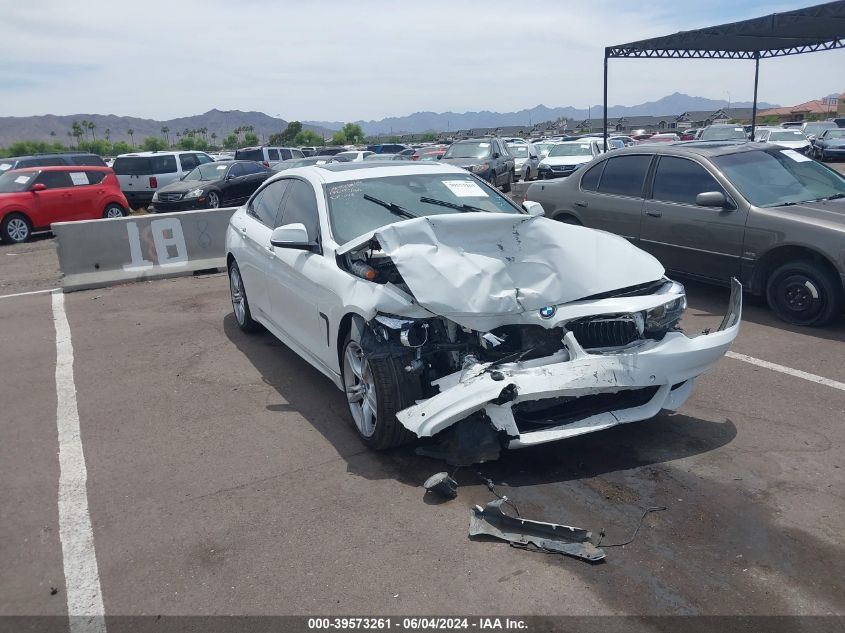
441, 307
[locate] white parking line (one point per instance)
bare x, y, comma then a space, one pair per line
82, 579
32, 292
787, 370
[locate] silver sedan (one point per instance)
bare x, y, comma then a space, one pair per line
526, 160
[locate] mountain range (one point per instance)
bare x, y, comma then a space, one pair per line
418, 122
222, 123
219, 122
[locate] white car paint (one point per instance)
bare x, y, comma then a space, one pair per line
473, 273
355, 156
593, 146
795, 139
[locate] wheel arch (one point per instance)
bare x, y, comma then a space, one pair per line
343, 328
782, 254
562, 215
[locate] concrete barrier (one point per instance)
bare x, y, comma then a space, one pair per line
98, 253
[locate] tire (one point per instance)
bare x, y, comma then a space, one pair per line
508, 183
804, 293
373, 387
16, 228
240, 305
213, 200
114, 211
527, 176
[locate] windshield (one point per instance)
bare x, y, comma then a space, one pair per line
571, 149
351, 215
817, 128
480, 149
728, 133
209, 171
518, 151
13, 181
835, 134
786, 135
773, 177
543, 148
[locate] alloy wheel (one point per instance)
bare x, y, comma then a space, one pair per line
17, 229
236, 287
360, 389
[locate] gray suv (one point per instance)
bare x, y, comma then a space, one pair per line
488, 158
769, 216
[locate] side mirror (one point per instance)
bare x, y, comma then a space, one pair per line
533, 209
711, 199
439, 156
291, 236
38, 186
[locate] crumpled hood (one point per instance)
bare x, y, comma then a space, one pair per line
462, 264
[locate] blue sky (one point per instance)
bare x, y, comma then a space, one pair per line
348, 60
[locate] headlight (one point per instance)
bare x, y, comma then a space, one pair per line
193, 193
542, 166
481, 168
663, 317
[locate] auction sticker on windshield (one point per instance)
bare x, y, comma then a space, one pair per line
798, 158
5, 166
22, 180
79, 178
465, 188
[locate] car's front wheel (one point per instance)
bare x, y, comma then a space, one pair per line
240, 304
114, 211
15, 228
372, 391
804, 293
213, 200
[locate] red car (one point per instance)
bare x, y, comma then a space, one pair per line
33, 198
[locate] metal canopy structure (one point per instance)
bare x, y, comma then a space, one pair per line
817, 28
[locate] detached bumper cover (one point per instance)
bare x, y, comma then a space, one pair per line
668, 367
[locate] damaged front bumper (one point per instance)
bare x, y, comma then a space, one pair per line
575, 392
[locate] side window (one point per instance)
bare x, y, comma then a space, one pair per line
189, 161
79, 178
253, 168
54, 179
163, 164
265, 206
301, 206
624, 175
680, 180
87, 159
237, 170
297, 153
590, 180
285, 154
273, 154
95, 177
204, 158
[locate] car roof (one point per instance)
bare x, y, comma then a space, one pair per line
161, 153
700, 148
62, 168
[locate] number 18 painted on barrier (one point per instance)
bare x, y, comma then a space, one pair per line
166, 234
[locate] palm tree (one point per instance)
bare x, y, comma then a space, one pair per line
204, 132
69, 135
107, 134
165, 130
213, 138
78, 130
131, 133
91, 127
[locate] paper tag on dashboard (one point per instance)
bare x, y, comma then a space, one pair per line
465, 188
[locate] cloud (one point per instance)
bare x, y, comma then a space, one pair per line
340, 60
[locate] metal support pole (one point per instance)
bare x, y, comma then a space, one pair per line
604, 129
754, 107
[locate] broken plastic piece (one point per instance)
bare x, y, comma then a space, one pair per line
471, 441
442, 484
550, 537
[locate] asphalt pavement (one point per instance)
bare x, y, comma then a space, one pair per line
224, 476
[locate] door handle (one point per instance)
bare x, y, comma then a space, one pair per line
653, 213
581, 203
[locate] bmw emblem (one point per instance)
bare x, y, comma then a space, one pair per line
548, 312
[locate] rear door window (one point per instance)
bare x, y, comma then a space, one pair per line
237, 170
189, 161
54, 179
681, 180
253, 168
95, 177
590, 180
163, 164
624, 176
286, 155
273, 154
297, 153
265, 206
